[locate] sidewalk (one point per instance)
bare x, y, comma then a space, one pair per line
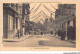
72, 41
16, 39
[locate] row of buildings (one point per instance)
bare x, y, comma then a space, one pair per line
65, 19
15, 16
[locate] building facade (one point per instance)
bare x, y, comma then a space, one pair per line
65, 17
25, 17
13, 20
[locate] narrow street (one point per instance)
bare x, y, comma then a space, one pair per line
40, 21
40, 41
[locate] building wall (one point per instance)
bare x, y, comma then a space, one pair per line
9, 13
25, 17
63, 12
10, 26
65, 16
14, 16
5, 23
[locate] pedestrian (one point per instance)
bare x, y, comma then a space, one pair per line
51, 32
59, 33
68, 33
71, 33
18, 30
41, 33
63, 33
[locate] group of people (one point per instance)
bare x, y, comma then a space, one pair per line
70, 33
62, 34
35, 33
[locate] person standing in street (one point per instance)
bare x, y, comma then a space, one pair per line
68, 33
63, 35
18, 33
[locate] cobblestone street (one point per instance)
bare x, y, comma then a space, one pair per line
40, 41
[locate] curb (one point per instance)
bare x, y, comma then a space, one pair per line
15, 40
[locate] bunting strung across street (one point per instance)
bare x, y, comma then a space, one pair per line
33, 7
37, 11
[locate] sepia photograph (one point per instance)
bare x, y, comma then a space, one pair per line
40, 24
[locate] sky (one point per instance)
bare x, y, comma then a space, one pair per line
38, 15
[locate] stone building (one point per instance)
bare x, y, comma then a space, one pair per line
13, 19
25, 17
65, 17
